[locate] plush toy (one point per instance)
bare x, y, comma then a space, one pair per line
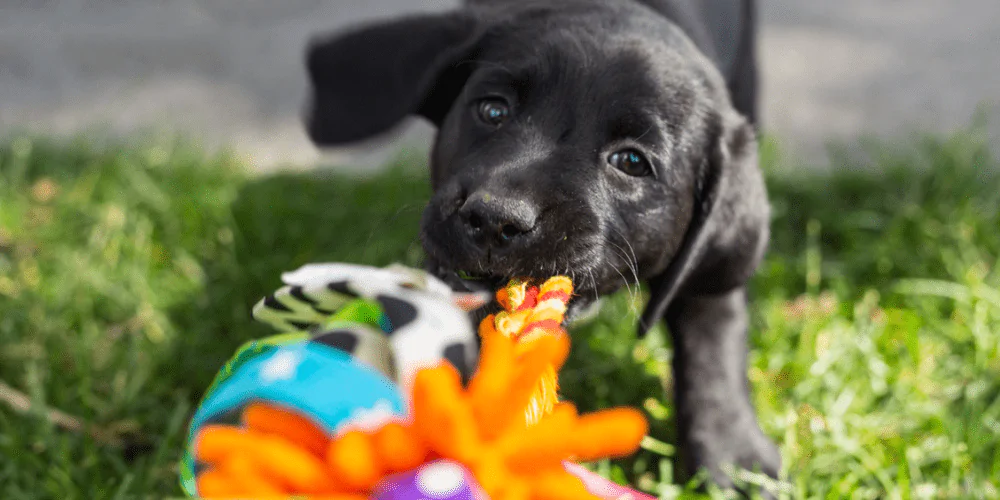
297, 415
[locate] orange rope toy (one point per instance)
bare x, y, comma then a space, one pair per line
507, 427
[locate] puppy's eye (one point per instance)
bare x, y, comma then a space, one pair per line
630, 162
493, 111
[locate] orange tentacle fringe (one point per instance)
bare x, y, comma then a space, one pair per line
507, 428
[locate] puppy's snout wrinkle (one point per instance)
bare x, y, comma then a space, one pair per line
496, 221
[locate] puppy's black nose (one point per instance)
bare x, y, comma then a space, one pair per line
493, 220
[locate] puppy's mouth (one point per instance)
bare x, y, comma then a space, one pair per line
482, 281
473, 281
485, 276
582, 305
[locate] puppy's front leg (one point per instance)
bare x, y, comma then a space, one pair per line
717, 422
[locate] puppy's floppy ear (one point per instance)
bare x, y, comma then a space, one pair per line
730, 226
365, 81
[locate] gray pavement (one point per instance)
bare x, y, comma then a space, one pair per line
229, 72
836, 69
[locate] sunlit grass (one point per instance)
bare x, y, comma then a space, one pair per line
127, 274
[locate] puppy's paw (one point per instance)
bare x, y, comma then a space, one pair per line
744, 460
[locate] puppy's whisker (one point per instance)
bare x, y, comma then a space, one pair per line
593, 283
633, 264
619, 252
630, 248
630, 263
632, 295
640, 136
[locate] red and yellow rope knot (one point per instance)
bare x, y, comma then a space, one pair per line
506, 427
530, 313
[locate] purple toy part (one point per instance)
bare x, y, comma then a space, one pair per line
440, 480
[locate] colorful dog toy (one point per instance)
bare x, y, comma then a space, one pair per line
298, 416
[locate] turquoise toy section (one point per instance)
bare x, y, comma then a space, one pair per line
315, 380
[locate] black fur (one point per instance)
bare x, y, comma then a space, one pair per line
673, 80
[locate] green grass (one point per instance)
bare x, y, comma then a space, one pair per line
127, 274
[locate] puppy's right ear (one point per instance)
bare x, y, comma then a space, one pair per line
730, 227
365, 81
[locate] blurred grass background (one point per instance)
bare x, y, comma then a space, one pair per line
127, 273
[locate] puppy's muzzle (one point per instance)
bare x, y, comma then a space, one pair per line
495, 222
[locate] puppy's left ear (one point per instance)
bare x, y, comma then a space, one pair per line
730, 226
365, 81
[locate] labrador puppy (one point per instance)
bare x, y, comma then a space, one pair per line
612, 140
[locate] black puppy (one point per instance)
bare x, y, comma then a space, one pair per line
610, 139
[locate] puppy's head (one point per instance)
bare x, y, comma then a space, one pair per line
594, 141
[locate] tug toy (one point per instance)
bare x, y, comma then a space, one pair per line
298, 415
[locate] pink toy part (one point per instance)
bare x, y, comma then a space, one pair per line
602, 487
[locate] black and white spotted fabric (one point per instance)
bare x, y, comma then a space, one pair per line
368, 345
425, 326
